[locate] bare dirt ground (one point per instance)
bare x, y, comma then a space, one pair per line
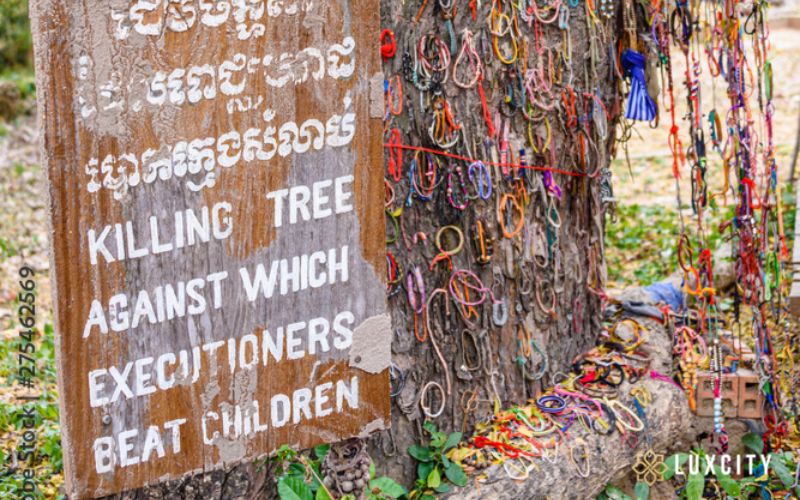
23, 225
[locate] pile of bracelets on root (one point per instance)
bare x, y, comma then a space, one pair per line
600, 395
501, 118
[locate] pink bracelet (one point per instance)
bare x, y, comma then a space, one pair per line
576, 395
660, 376
412, 299
478, 287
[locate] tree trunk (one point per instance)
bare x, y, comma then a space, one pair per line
545, 258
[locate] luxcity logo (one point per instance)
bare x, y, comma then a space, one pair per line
651, 467
730, 465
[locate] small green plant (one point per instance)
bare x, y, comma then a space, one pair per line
23, 79
434, 469
51, 447
299, 478
640, 492
7, 248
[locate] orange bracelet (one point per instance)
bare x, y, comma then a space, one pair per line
502, 210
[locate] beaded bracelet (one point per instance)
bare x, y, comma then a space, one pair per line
475, 64
453, 176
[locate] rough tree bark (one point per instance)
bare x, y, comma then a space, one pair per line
565, 259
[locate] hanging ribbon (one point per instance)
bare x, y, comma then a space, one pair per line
640, 105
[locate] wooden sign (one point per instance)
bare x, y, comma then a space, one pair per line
218, 242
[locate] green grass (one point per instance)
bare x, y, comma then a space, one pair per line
49, 461
640, 244
7, 248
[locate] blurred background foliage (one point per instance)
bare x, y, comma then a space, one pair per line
15, 35
17, 85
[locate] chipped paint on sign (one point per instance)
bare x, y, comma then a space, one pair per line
372, 344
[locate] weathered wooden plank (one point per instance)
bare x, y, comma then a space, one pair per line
189, 147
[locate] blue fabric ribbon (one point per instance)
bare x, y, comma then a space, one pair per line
640, 105
666, 293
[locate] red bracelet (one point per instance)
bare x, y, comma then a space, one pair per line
388, 49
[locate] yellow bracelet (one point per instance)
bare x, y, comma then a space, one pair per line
642, 395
